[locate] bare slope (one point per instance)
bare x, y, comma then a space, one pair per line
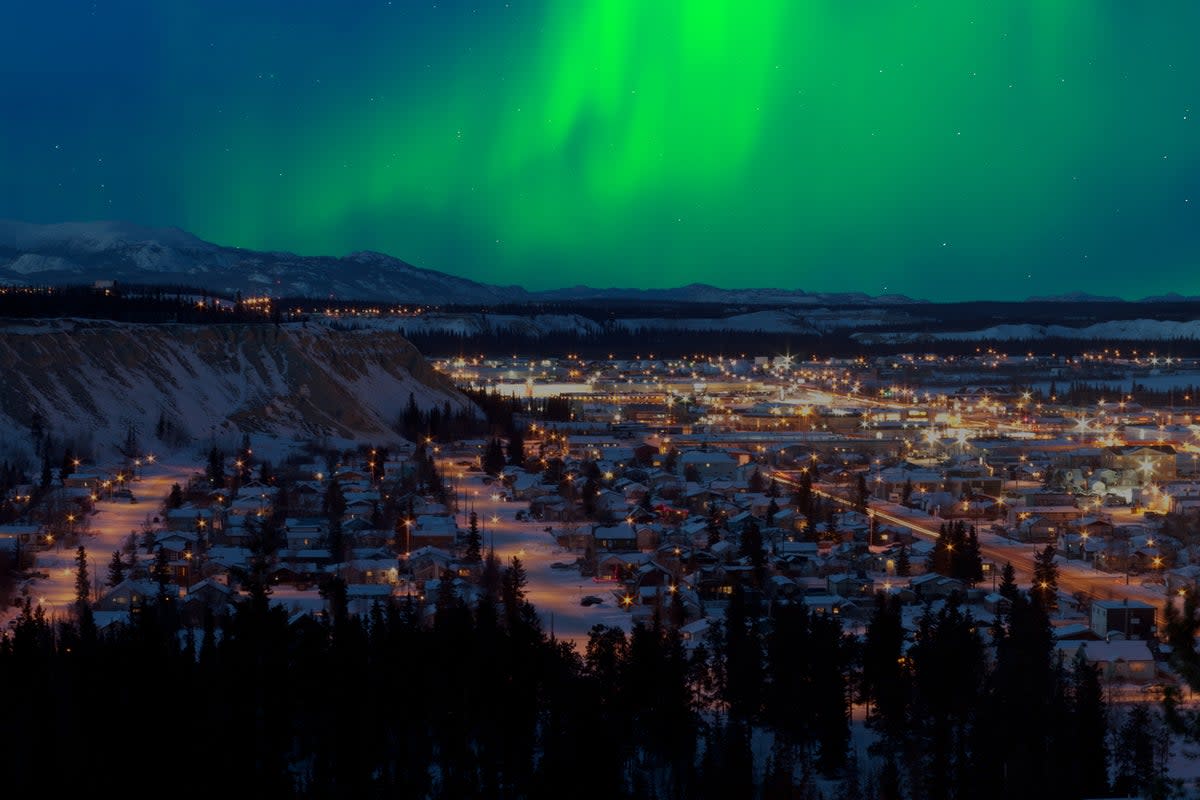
90, 380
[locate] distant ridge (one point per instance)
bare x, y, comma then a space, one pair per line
81, 252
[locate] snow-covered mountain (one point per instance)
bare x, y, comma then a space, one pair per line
72, 253
82, 252
90, 380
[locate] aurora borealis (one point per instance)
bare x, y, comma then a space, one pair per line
946, 149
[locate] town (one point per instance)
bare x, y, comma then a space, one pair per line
616, 495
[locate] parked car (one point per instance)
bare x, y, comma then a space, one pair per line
591, 600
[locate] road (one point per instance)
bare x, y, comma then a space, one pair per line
556, 593
107, 530
1074, 577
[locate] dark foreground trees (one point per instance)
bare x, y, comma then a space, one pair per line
483, 703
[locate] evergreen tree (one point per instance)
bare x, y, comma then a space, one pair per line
862, 494
1139, 755
160, 572
493, 457
587, 497
1088, 729
512, 591
1008, 582
804, 494
175, 498
116, 569
756, 483
939, 559
831, 713
83, 586
333, 503
335, 539
473, 554
742, 659
516, 448
215, 471
903, 563
750, 547
1045, 579
884, 677
906, 491
967, 560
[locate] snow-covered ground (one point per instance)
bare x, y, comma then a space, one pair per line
106, 531
555, 592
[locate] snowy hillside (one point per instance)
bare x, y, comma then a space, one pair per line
90, 380
1130, 329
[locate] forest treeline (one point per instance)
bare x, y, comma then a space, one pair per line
483, 702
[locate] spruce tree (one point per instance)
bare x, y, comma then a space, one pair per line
862, 494
493, 457
215, 471
116, 569
903, 563
1008, 582
83, 587
516, 448
175, 498
967, 561
1045, 579
1088, 729
473, 554
512, 591
883, 673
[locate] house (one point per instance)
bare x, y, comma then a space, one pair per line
128, 594
931, 585
433, 530
1145, 462
206, 596
708, 464
996, 603
428, 563
615, 538
192, 518
826, 603
845, 584
25, 536
369, 571
694, 633
1127, 619
620, 566
303, 533
1118, 660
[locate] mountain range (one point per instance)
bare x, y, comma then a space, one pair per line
82, 252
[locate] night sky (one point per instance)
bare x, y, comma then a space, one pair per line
942, 148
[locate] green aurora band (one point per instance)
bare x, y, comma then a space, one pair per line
944, 148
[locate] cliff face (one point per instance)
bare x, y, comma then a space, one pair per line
91, 380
